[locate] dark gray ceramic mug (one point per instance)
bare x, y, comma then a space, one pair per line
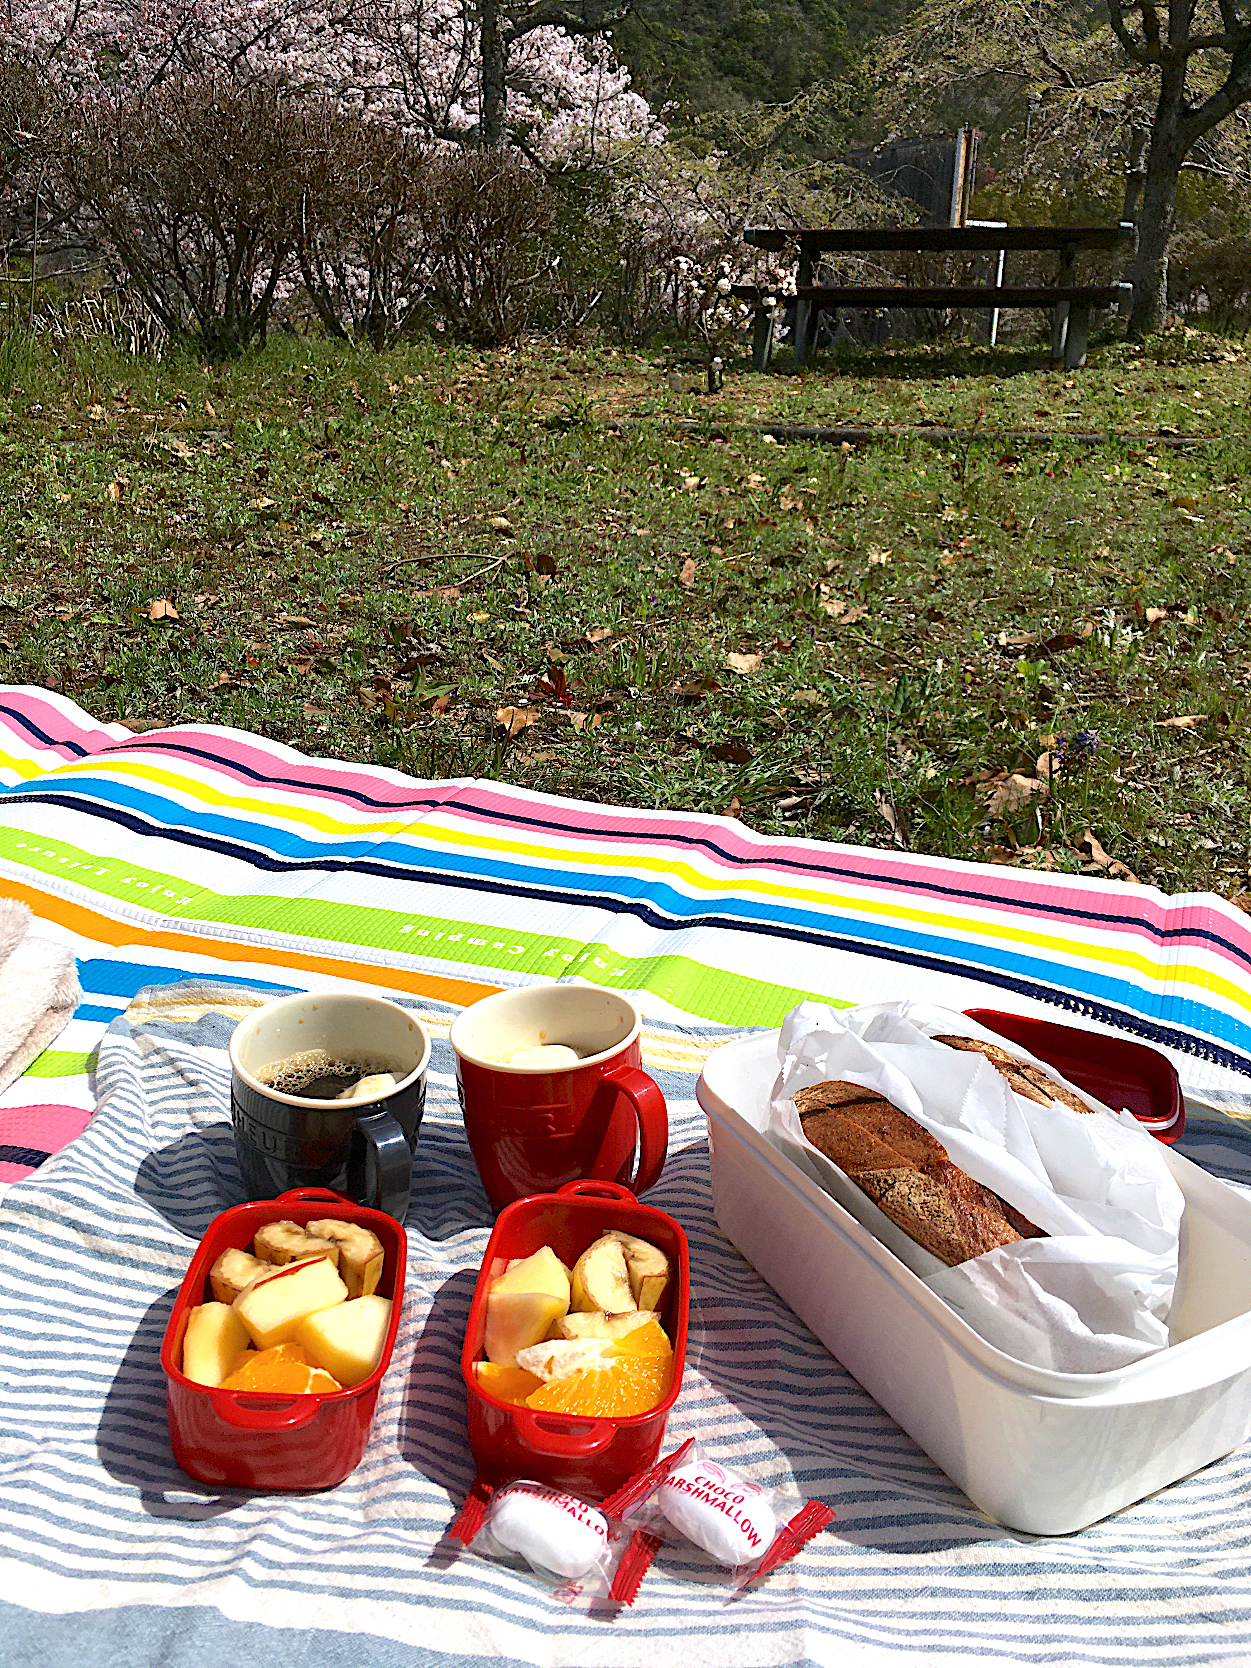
361, 1148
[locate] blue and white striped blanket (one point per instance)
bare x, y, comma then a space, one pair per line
109, 1554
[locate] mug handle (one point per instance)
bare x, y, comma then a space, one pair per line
648, 1101
388, 1164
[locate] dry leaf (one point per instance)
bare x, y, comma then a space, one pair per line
691, 482
1099, 859
856, 612
810, 697
208, 406
513, 720
442, 593
1047, 767
294, 620
1188, 721
687, 575
96, 413
117, 489
731, 752
597, 634
755, 482
310, 711
734, 808
834, 606
1153, 616
162, 609
1012, 794
743, 662
501, 524
890, 815
787, 499
225, 681
577, 719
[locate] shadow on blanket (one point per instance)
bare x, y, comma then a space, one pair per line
133, 1441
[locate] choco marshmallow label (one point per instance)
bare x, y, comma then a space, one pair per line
726, 1515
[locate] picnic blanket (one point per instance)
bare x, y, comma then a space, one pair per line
200, 854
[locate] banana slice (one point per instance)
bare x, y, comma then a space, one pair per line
601, 1280
360, 1254
648, 1268
594, 1323
287, 1242
233, 1272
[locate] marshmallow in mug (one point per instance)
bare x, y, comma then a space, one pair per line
554, 1531
726, 1515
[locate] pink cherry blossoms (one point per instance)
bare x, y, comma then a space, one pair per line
413, 63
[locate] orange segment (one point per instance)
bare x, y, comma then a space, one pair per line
284, 1370
510, 1384
637, 1378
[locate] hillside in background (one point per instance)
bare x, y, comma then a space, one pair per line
716, 54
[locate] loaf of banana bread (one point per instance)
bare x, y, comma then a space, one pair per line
907, 1173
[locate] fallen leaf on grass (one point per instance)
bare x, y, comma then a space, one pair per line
731, 752
743, 663
1013, 794
834, 606
117, 489
500, 523
734, 808
1153, 616
691, 483
513, 720
545, 566
597, 634
890, 815
755, 482
810, 697
162, 609
1099, 859
441, 593
787, 499
310, 711
854, 613
687, 576
1188, 721
440, 705
294, 620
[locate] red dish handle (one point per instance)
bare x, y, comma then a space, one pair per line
288, 1418
598, 1434
648, 1100
595, 1190
295, 1194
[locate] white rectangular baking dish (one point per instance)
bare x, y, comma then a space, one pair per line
1040, 1451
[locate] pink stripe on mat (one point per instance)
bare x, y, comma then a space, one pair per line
45, 1128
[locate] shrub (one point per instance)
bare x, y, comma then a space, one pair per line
358, 233
190, 192
487, 219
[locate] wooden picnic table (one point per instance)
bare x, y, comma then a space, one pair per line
1070, 303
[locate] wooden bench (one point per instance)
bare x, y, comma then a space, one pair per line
1070, 303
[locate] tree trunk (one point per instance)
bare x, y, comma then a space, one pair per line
1155, 227
493, 115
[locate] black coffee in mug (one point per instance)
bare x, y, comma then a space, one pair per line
328, 1090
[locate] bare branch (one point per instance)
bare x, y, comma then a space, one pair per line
1116, 17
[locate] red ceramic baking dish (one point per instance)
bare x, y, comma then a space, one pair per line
244, 1439
590, 1456
1127, 1076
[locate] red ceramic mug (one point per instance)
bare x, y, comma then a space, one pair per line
552, 1091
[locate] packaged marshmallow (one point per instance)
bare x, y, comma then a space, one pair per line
579, 1548
747, 1529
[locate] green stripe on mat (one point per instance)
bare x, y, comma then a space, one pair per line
713, 993
61, 1062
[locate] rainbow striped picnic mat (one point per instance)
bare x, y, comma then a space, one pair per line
195, 869
200, 849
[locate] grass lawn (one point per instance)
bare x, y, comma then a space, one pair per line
555, 567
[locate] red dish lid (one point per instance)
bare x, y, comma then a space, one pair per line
1127, 1076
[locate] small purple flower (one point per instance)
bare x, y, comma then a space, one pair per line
1075, 752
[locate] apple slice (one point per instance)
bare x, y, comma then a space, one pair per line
272, 1309
347, 1340
214, 1337
523, 1303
